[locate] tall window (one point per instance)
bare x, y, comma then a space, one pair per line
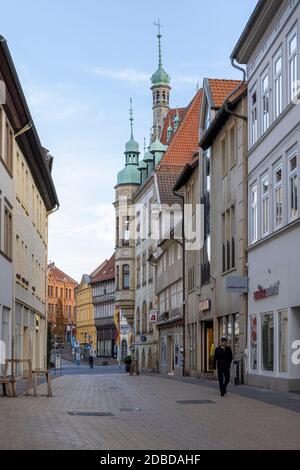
224, 157
293, 187
144, 269
253, 217
253, 342
277, 85
267, 335
228, 232
254, 135
278, 195
126, 231
125, 276
1, 124
265, 205
283, 341
265, 101
138, 271
7, 233
292, 65
232, 146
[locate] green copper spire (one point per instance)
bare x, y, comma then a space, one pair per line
160, 77
130, 173
132, 145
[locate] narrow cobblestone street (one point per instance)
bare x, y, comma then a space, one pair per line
146, 412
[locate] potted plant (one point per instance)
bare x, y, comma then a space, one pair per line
127, 362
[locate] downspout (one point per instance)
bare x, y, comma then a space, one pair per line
183, 279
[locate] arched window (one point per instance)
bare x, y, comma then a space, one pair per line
137, 321
118, 278
150, 324
125, 276
144, 318
124, 349
157, 97
164, 96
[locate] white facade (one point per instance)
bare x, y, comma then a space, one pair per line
273, 67
146, 333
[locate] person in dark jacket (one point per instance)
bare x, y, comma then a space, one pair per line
91, 361
222, 360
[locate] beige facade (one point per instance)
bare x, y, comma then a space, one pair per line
31, 240
26, 202
228, 138
125, 252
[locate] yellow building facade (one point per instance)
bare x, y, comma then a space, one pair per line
85, 322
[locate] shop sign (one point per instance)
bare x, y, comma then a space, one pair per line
263, 292
153, 316
237, 284
204, 305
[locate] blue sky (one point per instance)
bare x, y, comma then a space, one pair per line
79, 62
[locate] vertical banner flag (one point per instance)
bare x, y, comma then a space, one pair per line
117, 324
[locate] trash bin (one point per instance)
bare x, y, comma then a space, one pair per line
236, 372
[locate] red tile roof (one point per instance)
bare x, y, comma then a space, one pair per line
185, 141
166, 182
59, 275
220, 89
107, 272
169, 117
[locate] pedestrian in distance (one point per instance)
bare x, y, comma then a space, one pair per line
91, 361
77, 357
222, 361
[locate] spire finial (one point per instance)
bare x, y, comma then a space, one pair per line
157, 23
145, 145
131, 118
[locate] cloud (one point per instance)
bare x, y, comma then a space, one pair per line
127, 75
58, 103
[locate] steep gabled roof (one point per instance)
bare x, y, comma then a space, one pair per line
220, 89
98, 269
166, 182
107, 272
222, 115
185, 141
59, 275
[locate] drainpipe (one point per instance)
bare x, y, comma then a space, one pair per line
183, 279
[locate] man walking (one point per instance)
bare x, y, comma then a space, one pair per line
222, 359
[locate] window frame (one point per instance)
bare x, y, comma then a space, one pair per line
265, 98
292, 92
278, 79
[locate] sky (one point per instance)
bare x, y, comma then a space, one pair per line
79, 62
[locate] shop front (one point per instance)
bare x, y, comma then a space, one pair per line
106, 341
274, 314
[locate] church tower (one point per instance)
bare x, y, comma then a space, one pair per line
160, 91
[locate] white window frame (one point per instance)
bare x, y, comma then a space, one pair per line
277, 85
277, 186
265, 101
293, 176
292, 65
253, 214
265, 200
254, 124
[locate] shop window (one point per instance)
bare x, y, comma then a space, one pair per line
283, 341
267, 340
253, 342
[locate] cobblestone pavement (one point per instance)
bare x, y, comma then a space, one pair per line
145, 415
